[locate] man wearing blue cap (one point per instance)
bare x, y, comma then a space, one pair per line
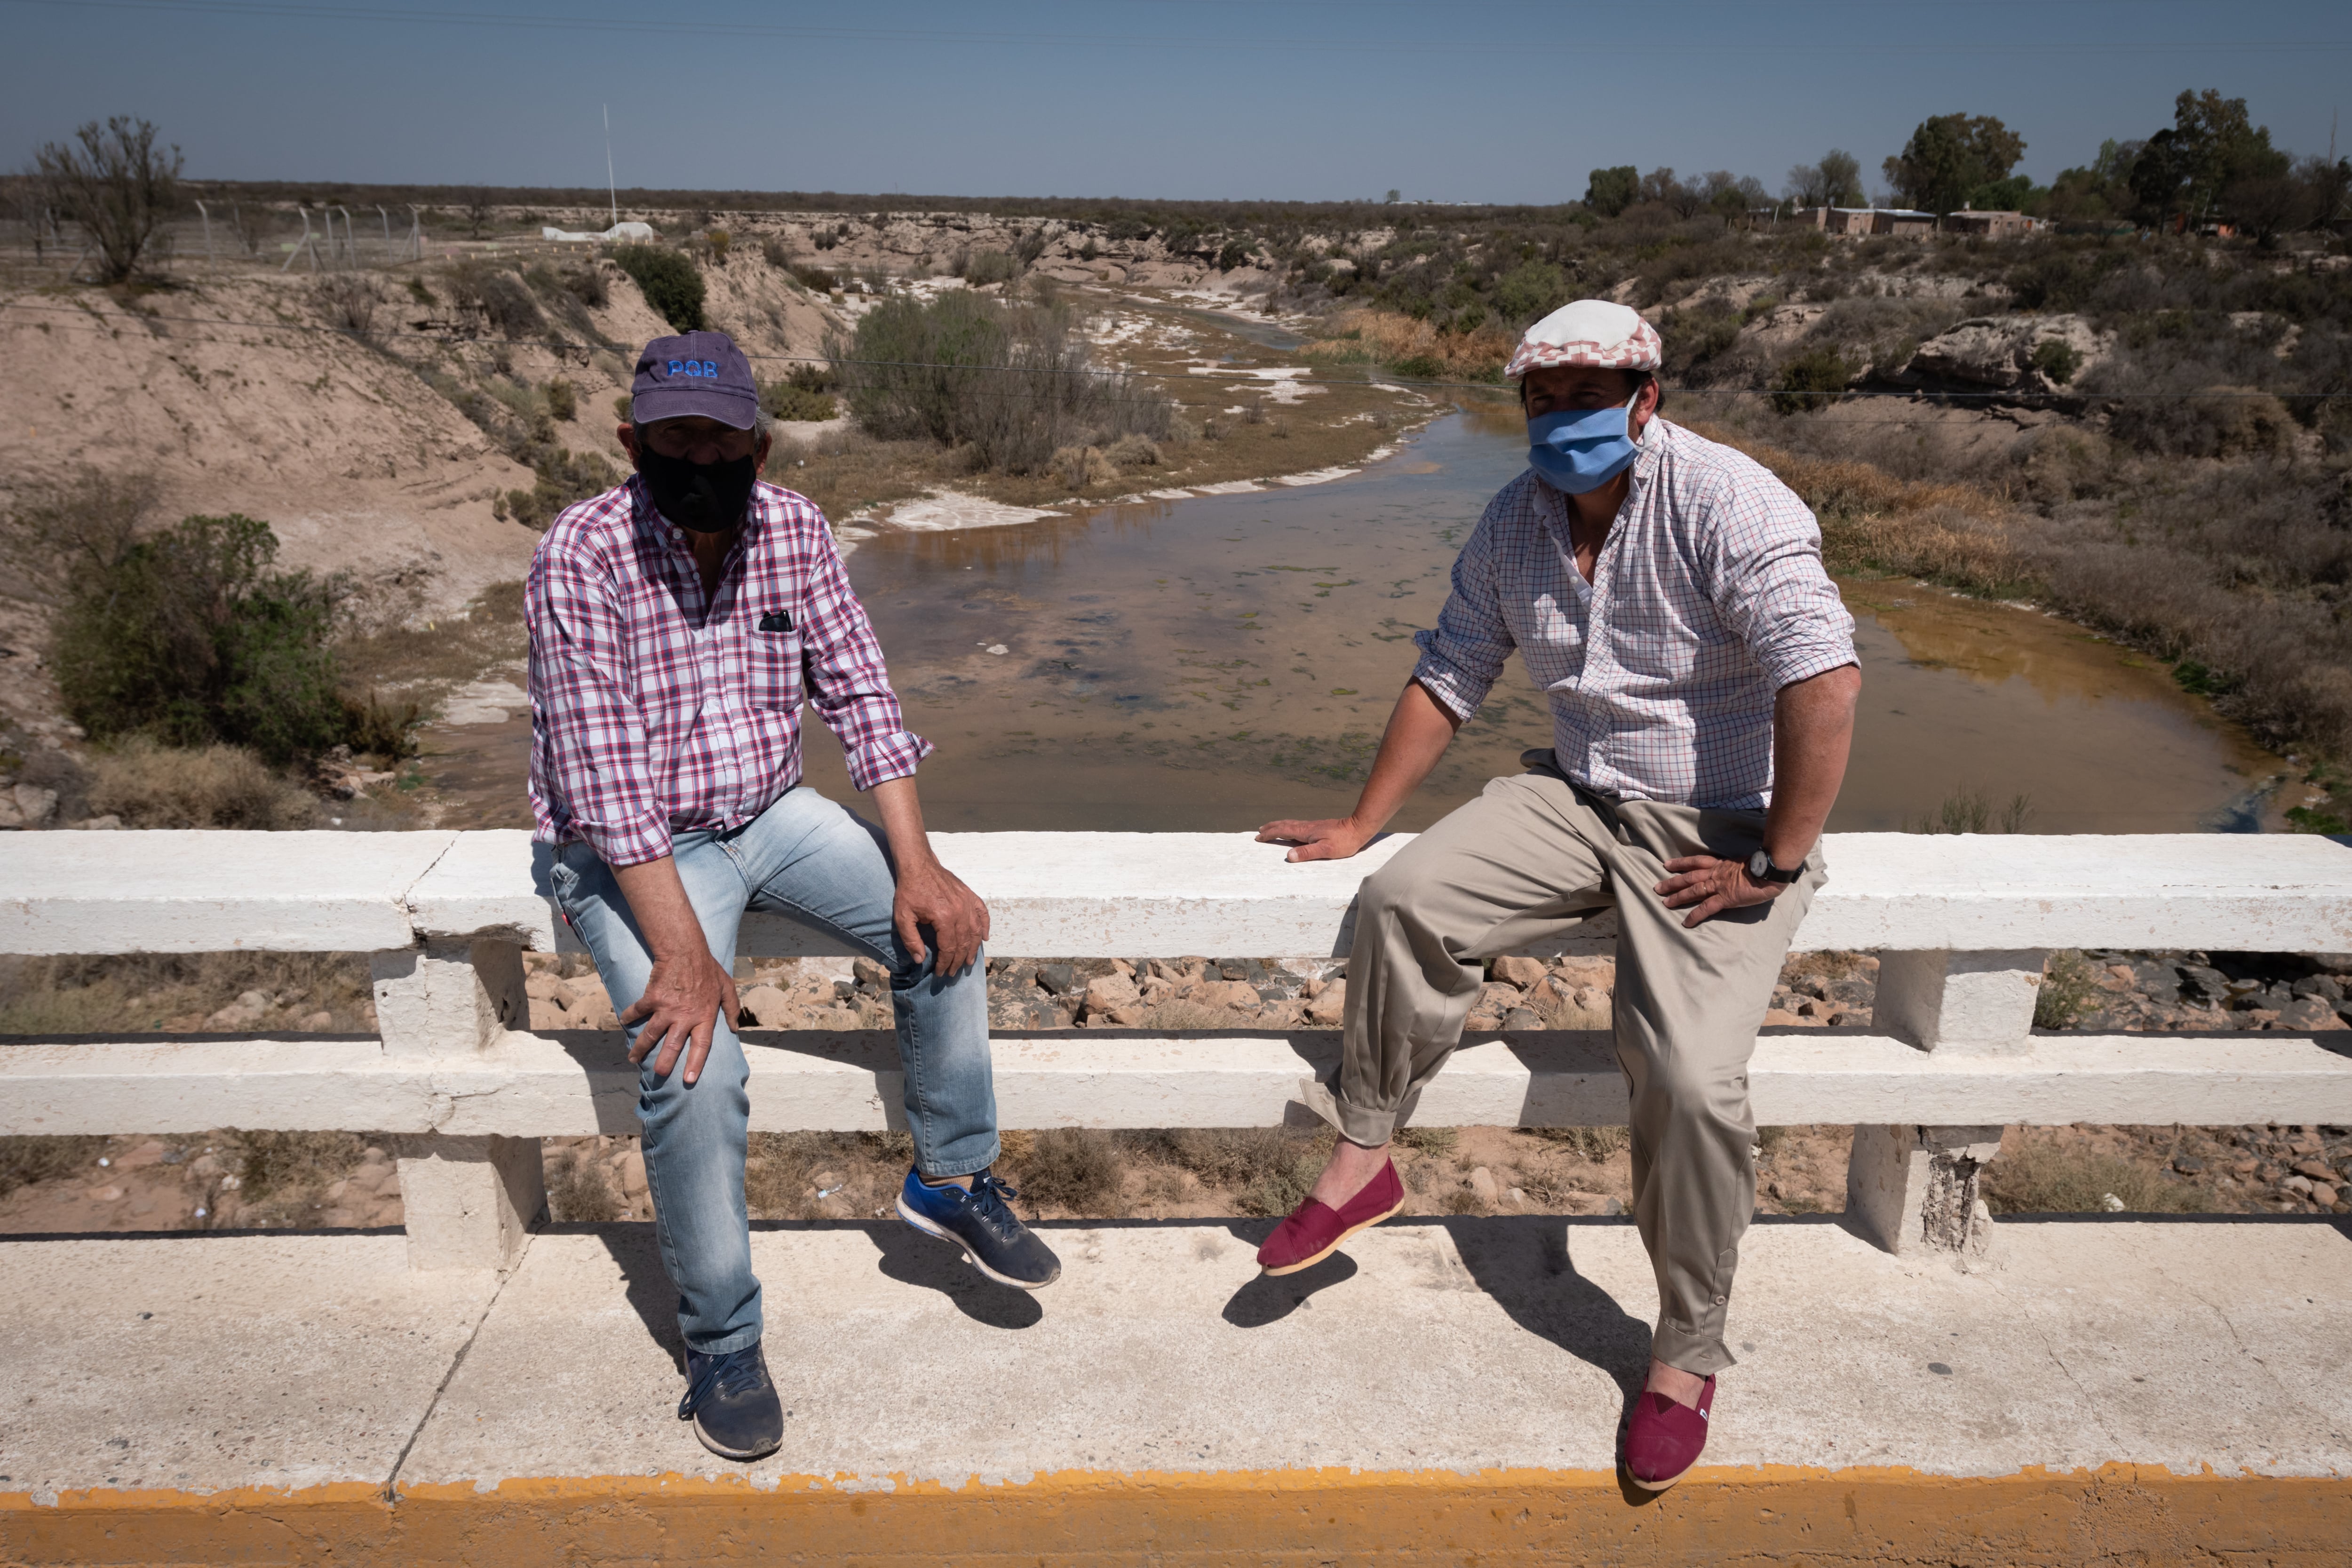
677, 623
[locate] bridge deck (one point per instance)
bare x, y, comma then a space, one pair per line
2116, 1391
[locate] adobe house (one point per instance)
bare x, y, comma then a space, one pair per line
1991, 225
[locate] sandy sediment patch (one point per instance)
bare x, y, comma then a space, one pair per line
945, 509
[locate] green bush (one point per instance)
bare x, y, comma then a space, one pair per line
1014, 383
1530, 291
1420, 367
563, 399
193, 638
671, 283
785, 400
990, 266
2056, 358
563, 477
1811, 381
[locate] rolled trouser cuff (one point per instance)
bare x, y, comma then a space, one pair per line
1699, 1350
1356, 1124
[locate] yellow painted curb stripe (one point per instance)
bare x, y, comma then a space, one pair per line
1777, 1515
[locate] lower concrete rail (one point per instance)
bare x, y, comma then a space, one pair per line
1446, 1392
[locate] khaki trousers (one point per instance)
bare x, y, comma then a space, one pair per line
1525, 862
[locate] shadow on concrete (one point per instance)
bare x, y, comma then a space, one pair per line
913, 1259
1524, 1262
651, 1295
1267, 1298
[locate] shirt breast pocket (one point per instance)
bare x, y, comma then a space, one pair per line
772, 655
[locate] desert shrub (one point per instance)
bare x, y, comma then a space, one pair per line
1014, 382
2039, 1173
586, 284
1269, 1168
386, 730
1074, 1168
562, 398
1133, 451
1430, 1139
25, 1159
1815, 379
1530, 291
149, 785
783, 400
563, 477
348, 300
282, 1164
776, 253
1080, 467
577, 1191
1413, 367
193, 637
503, 298
985, 267
823, 281
2056, 358
2068, 989
670, 282
116, 185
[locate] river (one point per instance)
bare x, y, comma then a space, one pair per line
1211, 663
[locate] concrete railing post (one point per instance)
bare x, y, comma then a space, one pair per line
1913, 1188
468, 1202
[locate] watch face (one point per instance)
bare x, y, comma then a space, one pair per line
1759, 865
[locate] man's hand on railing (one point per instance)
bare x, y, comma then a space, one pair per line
1329, 839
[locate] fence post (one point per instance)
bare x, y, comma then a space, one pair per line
1915, 1189
467, 1201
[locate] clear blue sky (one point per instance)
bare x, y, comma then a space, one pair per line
1506, 100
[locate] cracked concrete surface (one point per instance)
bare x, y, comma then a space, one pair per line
1457, 1345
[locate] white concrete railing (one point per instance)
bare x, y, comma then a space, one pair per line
1962, 926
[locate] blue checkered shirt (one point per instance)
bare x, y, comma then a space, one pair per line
1709, 597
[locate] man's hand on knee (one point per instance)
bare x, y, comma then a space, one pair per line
1707, 886
680, 1004
931, 895
679, 1008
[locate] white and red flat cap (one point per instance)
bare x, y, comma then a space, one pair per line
1591, 332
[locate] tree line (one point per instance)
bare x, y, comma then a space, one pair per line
2212, 165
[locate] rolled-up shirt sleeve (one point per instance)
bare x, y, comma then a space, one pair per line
1768, 582
597, 761
848, 682
1463, 655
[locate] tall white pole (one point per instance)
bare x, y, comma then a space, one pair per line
612, 191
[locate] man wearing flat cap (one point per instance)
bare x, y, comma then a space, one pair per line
1667, 595
677, 625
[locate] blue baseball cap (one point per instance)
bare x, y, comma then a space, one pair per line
695, 375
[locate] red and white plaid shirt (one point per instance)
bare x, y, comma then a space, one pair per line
651, 710
1709, 597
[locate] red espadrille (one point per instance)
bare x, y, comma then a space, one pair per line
1666, 1438
1315, 1230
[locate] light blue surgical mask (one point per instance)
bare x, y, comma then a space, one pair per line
1582, 450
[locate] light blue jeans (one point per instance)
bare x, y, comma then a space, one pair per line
810, 860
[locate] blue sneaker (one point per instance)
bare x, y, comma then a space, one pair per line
733, 1407
993, 1239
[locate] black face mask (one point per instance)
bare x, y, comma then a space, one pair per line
701, 498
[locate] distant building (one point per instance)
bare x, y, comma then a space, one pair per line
1991, 225
1897, 221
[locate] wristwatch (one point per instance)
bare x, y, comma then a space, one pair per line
1761, 870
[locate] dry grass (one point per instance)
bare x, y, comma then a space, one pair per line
1075, 1168
149, 785
2041, 1172
143, 992
1596, 1144
27, 1160
578, 1192
1411, 347
1269, 1169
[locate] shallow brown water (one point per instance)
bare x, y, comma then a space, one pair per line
1209, 664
